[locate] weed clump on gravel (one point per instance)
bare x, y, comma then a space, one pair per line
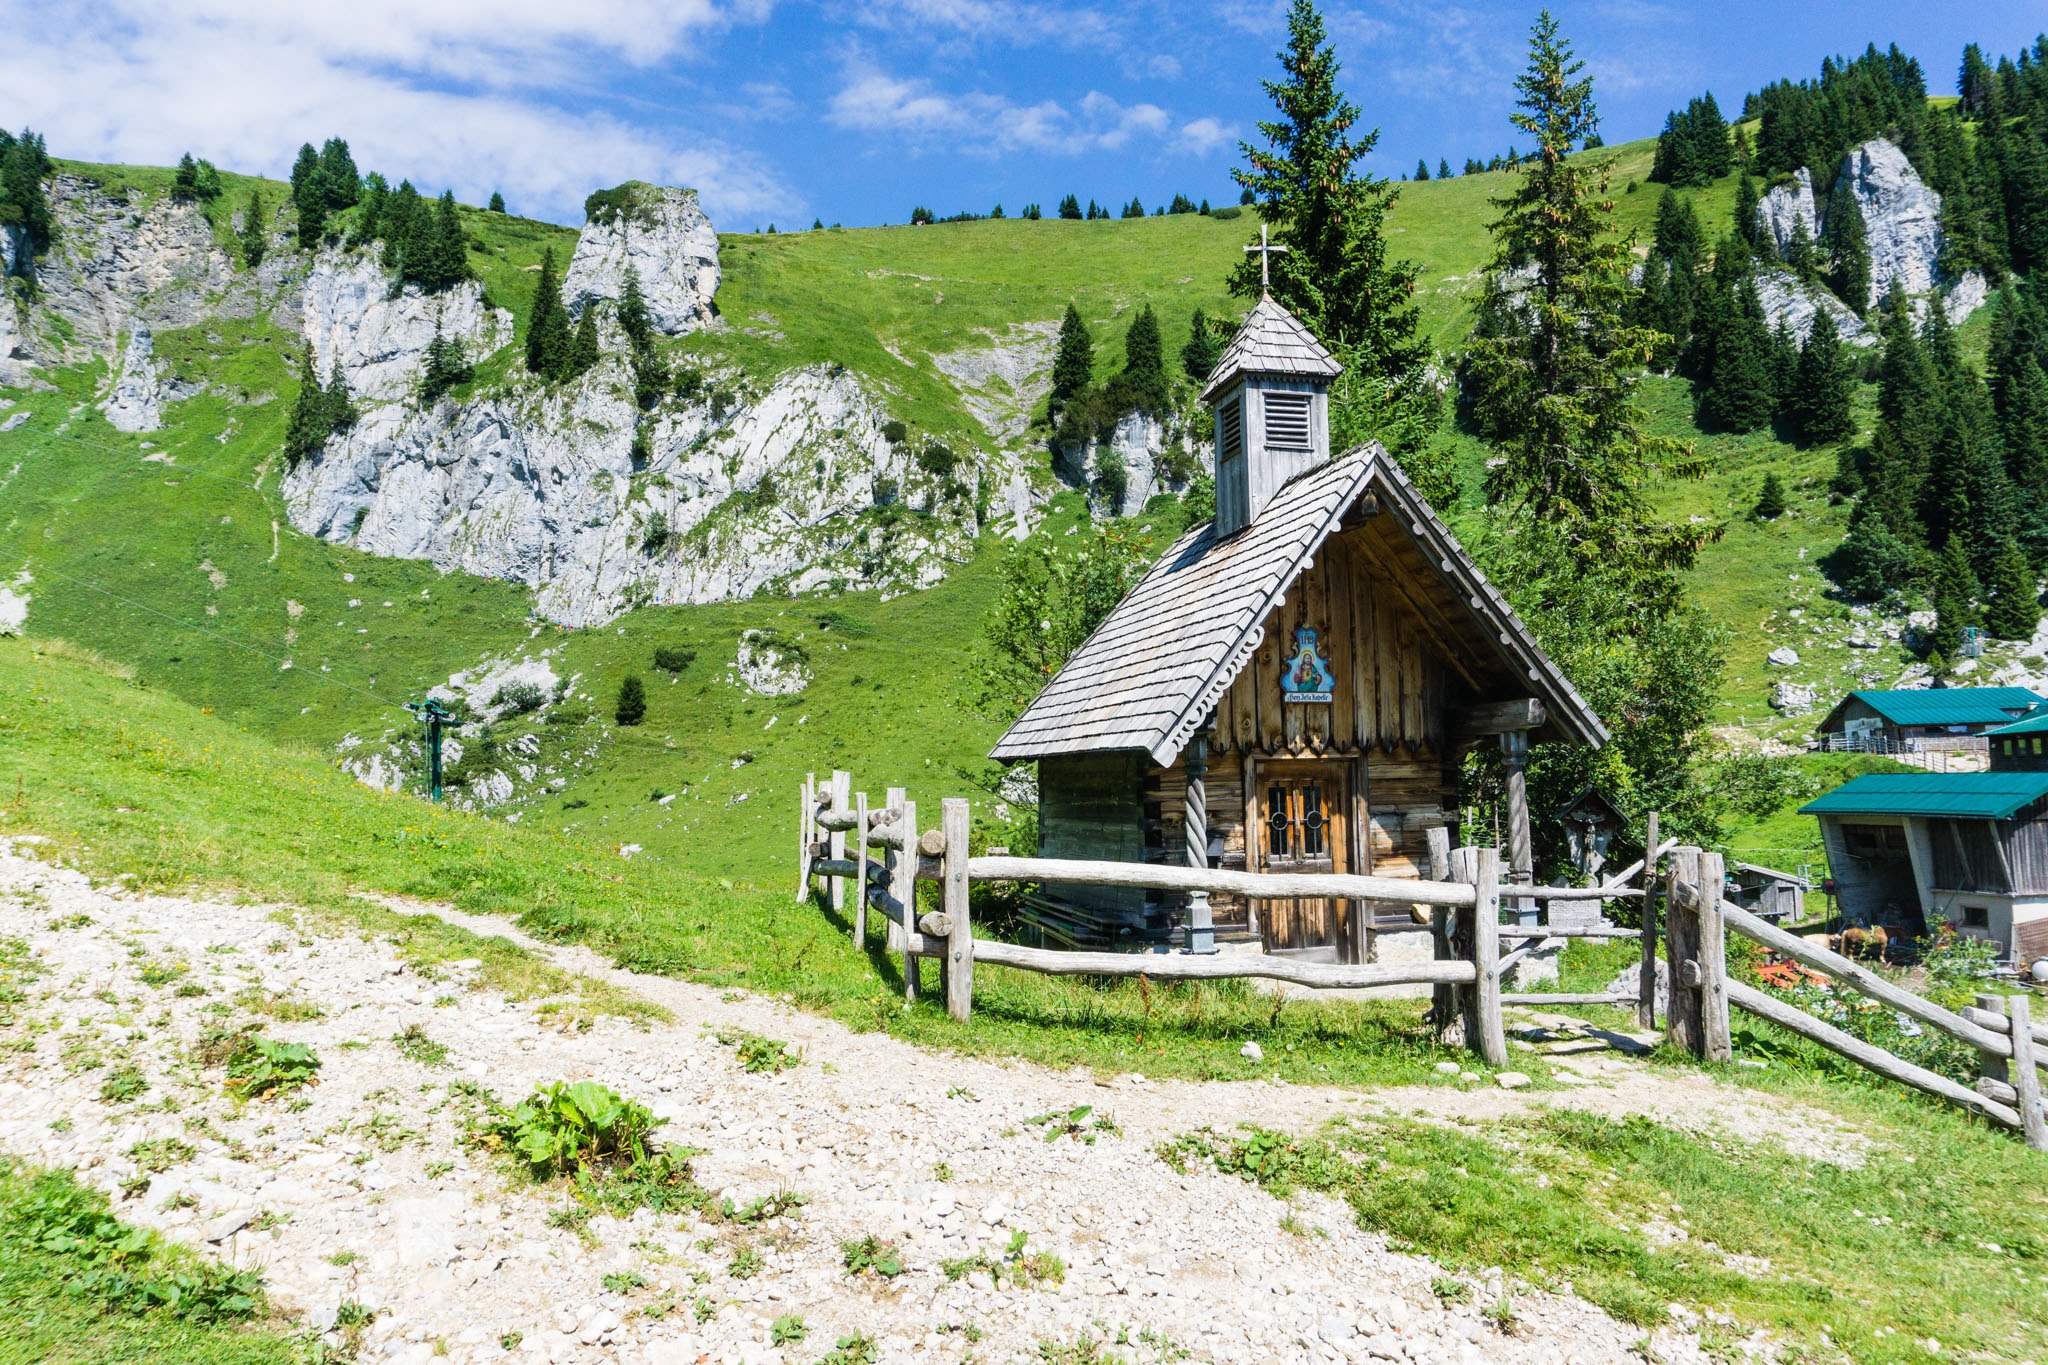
596, 1140
262, 1068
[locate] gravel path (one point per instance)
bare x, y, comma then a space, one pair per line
358, 1190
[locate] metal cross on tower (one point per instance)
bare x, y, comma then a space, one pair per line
1265, 250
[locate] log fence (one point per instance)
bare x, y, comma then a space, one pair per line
890, 855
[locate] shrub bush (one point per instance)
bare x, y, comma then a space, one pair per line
673, 658
519, 698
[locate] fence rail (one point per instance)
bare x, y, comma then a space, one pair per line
880, 851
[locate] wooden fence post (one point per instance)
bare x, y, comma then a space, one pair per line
1443, 1005
2026, 1082
1681, 950
1458, 1028
1712, 953
1481, 923
842, 789
1646, 1008
806, 812
860, 861
905, 892
954, 820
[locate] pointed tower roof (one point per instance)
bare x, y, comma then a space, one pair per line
1271, 341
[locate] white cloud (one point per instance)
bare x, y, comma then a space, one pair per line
1014, 22
456, 94
1204, 135
874, 102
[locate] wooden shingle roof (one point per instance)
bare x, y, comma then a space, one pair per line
1154, 670
1270, 341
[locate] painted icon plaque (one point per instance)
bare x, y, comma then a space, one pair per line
1306, 676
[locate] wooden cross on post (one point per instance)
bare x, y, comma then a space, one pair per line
1265, 250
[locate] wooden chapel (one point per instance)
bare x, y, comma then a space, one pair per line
1290, 688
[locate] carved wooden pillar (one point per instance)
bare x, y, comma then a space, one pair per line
1201, 936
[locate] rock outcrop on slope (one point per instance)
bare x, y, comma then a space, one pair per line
1123, 473
1901, 224
661, 235
1786, 298
349, 314
136, 403
1785, 206
119, 263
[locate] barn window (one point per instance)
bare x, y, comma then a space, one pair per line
1287, 421
2037, 746
1976, 917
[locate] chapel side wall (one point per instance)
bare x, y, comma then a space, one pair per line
1090, 806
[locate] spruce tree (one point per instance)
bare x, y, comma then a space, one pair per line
1770, 499
1748, 222
1847, 247
497, 204
634, 319
583, 349
2013, 609
307, 162
547, 326
1070, 207
337, 178
337, 405
1801, 256
24, 164
445, 366
1422, 169
1586, 558
185, 180
306, 430
1443, 168
1307, 178
1144, 376
1955, 596
1198, 358
1823, 387
1557, 397
631, 707
1741, 389
1909, 414
441, 255
252, 238
1073, 365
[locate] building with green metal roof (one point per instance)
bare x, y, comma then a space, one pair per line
1909, 720
1911, 850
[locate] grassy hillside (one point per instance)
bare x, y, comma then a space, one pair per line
171, 553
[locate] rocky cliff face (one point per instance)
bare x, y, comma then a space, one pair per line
350, 315
789, 485
1123, 473
1902, 223
119, 264
1788, 299
1784, 207
661, 235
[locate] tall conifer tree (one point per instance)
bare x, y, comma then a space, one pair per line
1073, 364
1823, 387
547, 326
1330, 214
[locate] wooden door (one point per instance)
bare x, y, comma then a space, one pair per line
1304, 826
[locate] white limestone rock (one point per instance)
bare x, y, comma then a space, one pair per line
14, 597
1786, 298
769, 667
350, 313
133, 404
1139, 444
540, 486
1792, 699
664, 236
1901, 218
1787, 204
1784, 656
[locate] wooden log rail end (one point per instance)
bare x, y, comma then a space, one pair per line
1206, 967
1794, 1020
1569, 998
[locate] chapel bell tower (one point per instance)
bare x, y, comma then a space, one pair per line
1270, 396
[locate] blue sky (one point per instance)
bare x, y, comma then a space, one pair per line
787, 110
